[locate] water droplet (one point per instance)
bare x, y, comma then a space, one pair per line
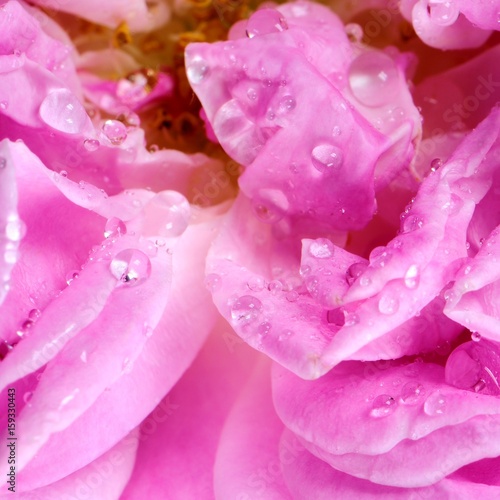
355, 271
83, 356
472, 362
264, 22
127, 365
436, 164
246, 309
292, 296
383, 405
114, 227
412, 223
336, 131
264, 328
4, 105
115, 131
304, 270
443, 12
336, 316
412, 277
34, 314
388, 304
453, 206
256, 283
373, 78
3, 162
286, 104
321, 248
15, 230
365, 281
411, 393
27, 397
275, 286
72, 275
475, 336
380, 256
197, 70
270, 205
212, 282
148, 331
63, 173
285, 335
354, 32
351, 319
435, 404
167, 214
91, 144
62, 111
131, 267
252, 94
327, 157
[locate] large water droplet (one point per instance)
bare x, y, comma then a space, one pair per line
131, 267
443, 12
383, 405
265, 21
91, 144
197, 70
115, 131
474, 363
167, 214
326, 157
411, 393
114, 227
435, 404
355, 271
380, 256
412, 223
246, 309
373, 78
321, 248
388, 304
62, 111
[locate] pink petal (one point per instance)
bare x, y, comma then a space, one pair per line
416, 440
179, 457
254, 427
169, 350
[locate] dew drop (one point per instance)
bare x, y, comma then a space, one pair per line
83, 356
212, 282
304, 270
388, 304
166, 214
411, 393
27, 397
473, 362
355, 271
412, 223
3, 162
435, 404
246, 309
336, 131
475, 336
91, 144
383, 405
326, 157
380, 256
252, 94
275, 286
443, 12
285, 335
114, 227
365, 281
73, 275
373, 78
292, 296
264, 328
197, 70
286, 104
412, 277
321, 248
34, 314
131, 267
436, 164
264, 22
351, 319
270, 205
115, 131
62, 111
4, 105
15, 230
256, 283
63, 173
